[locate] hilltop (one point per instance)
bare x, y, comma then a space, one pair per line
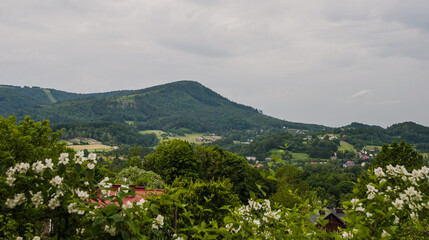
178, 105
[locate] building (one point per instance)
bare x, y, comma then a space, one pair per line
334, 217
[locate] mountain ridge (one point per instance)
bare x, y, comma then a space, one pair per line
181, 104
44, 102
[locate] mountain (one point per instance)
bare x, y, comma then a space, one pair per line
14, 98
361, 125
183, 104
412, 133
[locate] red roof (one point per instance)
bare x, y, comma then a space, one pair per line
141, 192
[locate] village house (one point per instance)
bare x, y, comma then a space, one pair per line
349, 164
334, 217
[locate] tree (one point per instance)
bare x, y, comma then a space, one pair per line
38, 186
173, 159
218, 164
290, 187
140, 177
394, 154
398, 154
27, 141
208, 195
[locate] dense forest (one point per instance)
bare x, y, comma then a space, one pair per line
207, 192
109, 133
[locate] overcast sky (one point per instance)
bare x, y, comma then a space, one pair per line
322, 61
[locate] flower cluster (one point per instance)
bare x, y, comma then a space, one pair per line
63, 159
110, 229
393, 194
80, 159
258, 219
17, 200
104, 185
35, 176
158, 222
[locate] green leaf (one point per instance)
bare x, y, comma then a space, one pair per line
117, 218
125, 235
98, 221
77, 168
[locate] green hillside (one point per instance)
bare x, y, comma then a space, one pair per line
183, 104
13, 98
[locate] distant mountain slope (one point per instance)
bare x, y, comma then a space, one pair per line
109, 133
14, 98
361, 125
412, 132
183, 104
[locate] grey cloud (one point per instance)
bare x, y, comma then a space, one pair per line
196, 48
294, 60
360, 94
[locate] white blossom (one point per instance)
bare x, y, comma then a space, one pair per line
396, 221
127, 205
347, 235
410, 191
56, 181
22, 167
63, 159
48, 163
37, 199
379, 172
385, 234
371, 189
10, 172
160, 219
54, 203
93, 157
17, 200
71, 207
398, 203
38, 167
141, 202
110, 229
414, 216
10, 181
82, 194
91, 165
354, 201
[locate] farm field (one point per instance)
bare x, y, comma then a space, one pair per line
192, 138
345, 146
368, 147
91, 147
300, 156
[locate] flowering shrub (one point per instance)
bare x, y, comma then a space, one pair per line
259, 220
394, 196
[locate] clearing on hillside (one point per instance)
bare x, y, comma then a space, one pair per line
92, 147
346, 146
197, 138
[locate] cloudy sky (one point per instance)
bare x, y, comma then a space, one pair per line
321, 61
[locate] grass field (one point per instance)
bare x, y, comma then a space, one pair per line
277, 152
92, 147
300, 156
192, 138
345, 146
49, 94
372, 146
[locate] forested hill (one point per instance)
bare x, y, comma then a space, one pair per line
183, 104
13, 98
